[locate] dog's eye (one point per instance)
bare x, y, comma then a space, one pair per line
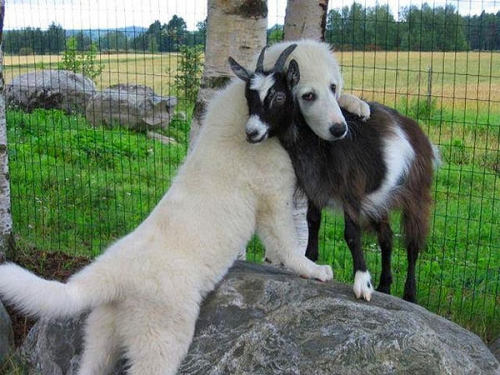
333, 87
309, 96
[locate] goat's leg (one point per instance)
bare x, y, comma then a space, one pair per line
384, 236
277, 232
313, 223
363, 287
415, 227
415, 219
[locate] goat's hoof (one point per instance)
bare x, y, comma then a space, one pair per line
363, 287
410, 298
384, 289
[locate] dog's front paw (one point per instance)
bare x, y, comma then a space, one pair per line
364, 110
355, 105
322, 273
363, 287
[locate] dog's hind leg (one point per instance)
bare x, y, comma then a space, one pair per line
101, 344
157, 336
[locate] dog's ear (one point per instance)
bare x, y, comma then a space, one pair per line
237, 69
293, 74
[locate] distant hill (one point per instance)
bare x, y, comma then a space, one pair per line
130, 31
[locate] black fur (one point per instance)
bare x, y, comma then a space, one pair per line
347, 170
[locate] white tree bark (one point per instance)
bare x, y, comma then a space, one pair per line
5, 216
235, 28
304, 19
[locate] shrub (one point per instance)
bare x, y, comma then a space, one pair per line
189, 69
84, 62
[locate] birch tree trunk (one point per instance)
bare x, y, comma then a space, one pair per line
235, 28
5, 218
304, 19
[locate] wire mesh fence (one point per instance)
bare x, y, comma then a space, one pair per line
77, 183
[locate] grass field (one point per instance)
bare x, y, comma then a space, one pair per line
75, 188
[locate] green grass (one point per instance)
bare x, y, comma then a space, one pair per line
76, 188
459, 271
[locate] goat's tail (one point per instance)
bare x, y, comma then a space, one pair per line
39, 297
436, 160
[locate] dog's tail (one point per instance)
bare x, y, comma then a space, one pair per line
43, 298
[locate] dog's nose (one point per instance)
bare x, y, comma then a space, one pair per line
338, 130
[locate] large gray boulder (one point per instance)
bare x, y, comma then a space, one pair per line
58, 89
261, 320
6, 334
132, 106
495, 348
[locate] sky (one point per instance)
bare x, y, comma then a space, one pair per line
109, 14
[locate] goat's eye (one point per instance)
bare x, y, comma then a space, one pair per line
309, 96
333, 87
280, 98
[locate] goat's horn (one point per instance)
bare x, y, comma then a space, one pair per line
280, 63
260, 61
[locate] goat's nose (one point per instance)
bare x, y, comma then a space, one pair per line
338, 130
252, 133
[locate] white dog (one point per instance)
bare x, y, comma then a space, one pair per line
144, 292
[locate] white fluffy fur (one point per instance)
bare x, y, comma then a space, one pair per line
363, 287
145, 290
318, 71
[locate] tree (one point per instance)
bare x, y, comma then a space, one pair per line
305, 19
335, 32
354, 26
55, 38
6, 239
113, 40
83, 41
380, 28
235, 28
176, 28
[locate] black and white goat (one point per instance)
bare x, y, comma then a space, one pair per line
372, 167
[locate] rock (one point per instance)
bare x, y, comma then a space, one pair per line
161, 138
54, 347
132, 106
59, 89
6, 334
495, 348
261, 320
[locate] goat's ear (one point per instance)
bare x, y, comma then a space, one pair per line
293, 74
237, 69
